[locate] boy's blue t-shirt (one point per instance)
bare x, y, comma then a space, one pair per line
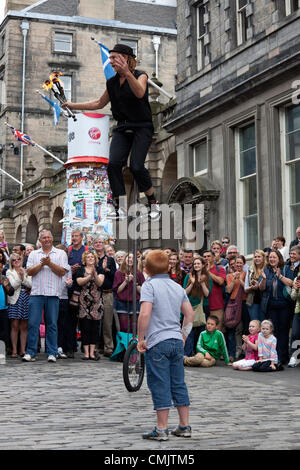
166, 297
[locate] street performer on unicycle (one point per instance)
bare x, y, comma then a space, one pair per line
127, 92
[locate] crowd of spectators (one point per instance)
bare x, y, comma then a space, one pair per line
83, 295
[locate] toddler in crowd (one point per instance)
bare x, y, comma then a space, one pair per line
250, 346
267, 354
210, 346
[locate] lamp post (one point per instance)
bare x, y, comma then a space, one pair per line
24, 28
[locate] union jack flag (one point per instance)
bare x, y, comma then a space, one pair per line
21, 137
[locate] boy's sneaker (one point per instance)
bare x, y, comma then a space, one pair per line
182, 431
292, 362
157, 435
51, 358
28, 358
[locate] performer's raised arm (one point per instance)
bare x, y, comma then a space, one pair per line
89, 105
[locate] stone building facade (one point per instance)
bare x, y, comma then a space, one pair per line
38, 37
237, 119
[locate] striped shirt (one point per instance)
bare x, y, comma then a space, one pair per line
267, 348
46, 282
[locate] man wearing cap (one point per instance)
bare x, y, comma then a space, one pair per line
127, 92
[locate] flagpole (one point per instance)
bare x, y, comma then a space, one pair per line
161, 90
12, 177
49, 153
42, 148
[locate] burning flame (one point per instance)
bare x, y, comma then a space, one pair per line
53, 79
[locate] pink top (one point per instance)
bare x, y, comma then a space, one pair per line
267, 348
215, 298
251, 353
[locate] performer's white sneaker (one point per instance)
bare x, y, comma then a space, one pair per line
117, 214
154, 211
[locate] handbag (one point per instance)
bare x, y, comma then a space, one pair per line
199, 315
233, 311
250, 299
74, 299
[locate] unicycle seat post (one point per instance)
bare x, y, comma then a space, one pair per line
134, 318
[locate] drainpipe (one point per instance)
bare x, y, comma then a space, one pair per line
24, 28
156, 43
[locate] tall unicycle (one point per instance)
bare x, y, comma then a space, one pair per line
133, 361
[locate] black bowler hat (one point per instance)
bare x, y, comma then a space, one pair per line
123, 49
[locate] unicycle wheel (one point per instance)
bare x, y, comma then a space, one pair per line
133, 368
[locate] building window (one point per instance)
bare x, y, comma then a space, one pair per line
242, 21
131, 43
291, 6
202, 30
2, 92
63, 42
200, 157
290, 150
2, 45
246, 188
67, 84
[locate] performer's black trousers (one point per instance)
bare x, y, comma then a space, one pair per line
137, 142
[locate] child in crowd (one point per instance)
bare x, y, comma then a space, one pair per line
250, 346
161, 338
210, 346
267, 354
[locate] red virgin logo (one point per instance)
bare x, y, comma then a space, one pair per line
94, 133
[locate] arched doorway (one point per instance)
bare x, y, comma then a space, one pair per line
200, 194
32, 230
57, 225
19, 234
169, 174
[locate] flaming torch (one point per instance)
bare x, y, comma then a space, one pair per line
56, 85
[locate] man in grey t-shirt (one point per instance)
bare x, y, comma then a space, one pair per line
162, 340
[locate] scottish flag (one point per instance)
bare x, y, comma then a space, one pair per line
108, 70
56, 109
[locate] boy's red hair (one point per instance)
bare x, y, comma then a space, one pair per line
157, 262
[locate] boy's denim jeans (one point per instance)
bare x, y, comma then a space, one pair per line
165, 374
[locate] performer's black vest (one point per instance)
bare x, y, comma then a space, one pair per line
125, 106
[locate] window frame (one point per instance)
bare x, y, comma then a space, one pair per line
3, 90
289, 8
2, 44
240, 190
241, 23
128, 41
194, 145
66, 33
286, 166
200, 38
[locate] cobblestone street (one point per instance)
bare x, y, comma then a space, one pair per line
79, 405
